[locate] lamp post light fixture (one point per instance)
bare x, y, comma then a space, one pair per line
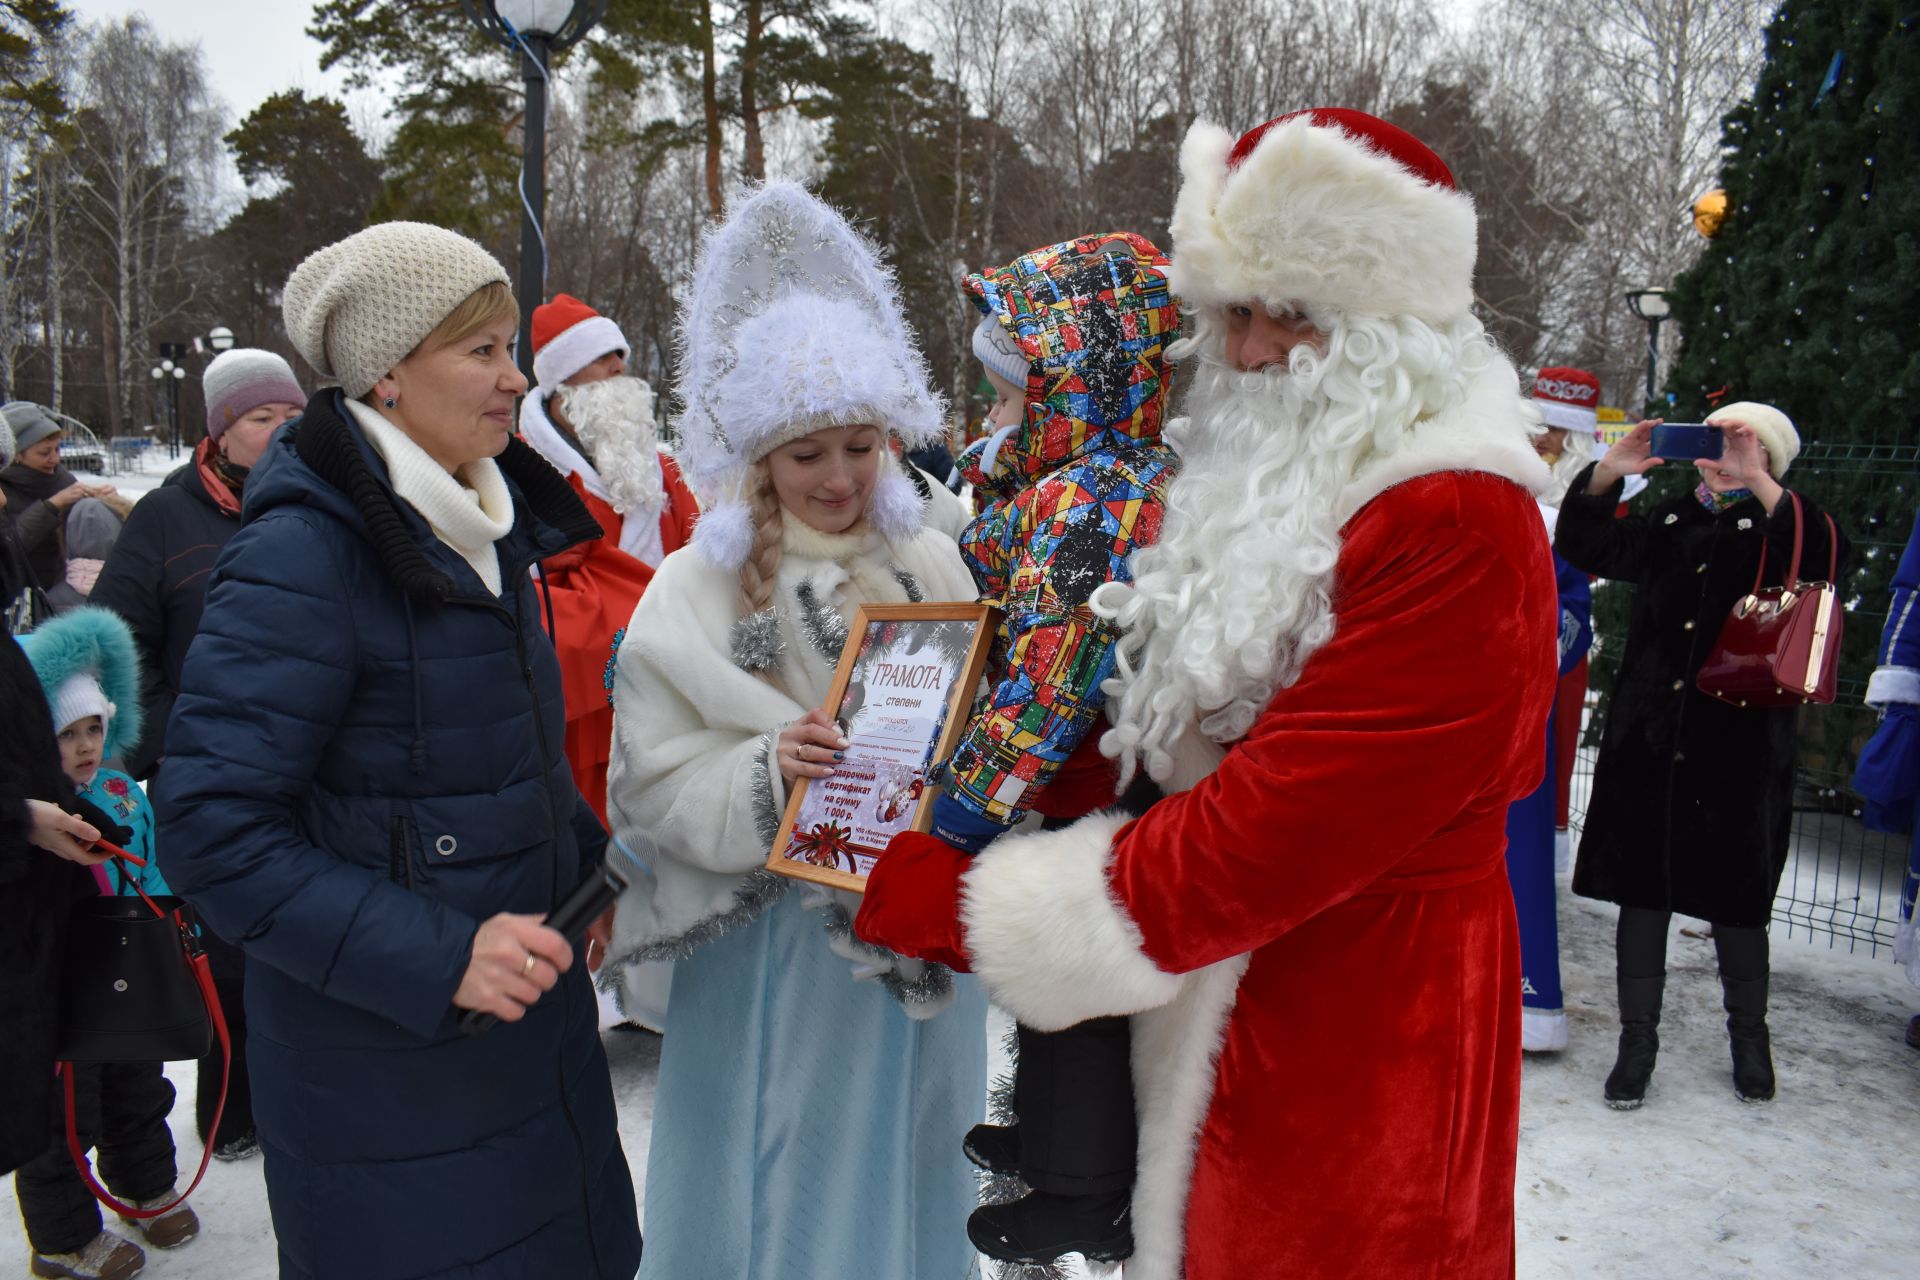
220, 338
1650, 304
537, 29
170, 375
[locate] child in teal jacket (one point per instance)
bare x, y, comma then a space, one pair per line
87, 664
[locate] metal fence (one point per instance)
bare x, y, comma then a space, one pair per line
1842, 881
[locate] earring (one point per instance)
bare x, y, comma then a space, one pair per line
389, 402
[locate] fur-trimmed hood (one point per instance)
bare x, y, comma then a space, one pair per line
97, 641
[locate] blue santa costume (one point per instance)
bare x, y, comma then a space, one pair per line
1543, 1017
1566, 398
1889, 772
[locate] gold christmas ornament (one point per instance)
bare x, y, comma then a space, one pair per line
1710, 213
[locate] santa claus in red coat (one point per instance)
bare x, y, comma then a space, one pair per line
1338, 665
595, 424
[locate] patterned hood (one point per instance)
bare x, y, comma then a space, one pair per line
1094, 315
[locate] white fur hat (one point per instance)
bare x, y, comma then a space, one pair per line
792, 324
1774, 428
361, 305
1326, 208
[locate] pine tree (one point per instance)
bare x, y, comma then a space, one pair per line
1809, 298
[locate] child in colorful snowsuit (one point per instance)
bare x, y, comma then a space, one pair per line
1072, 479
87, 664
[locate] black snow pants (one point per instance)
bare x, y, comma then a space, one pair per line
121, 1109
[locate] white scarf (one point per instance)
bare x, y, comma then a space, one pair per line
469, 510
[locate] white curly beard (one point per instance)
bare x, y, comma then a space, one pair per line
1238, 593
613, 419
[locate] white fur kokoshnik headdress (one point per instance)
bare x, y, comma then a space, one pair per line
792, 324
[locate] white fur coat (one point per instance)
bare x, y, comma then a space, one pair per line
693, 731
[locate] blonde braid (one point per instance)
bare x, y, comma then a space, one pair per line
762, 565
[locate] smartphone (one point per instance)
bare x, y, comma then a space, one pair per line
1684, 441
588, 901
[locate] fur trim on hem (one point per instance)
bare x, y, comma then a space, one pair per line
1176, 1060
922, 989
758, 890
1893, 684
1048, 939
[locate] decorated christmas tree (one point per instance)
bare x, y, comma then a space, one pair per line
1808, 297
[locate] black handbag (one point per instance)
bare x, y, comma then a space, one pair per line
128, 992
137, 988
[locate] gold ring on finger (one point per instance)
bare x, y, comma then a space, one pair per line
526, 966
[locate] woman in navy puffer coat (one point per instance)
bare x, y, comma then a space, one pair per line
365, 790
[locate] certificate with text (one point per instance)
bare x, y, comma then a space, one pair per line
901, 695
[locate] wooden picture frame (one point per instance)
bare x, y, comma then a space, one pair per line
903, 693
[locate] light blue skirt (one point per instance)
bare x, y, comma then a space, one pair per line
804, 1125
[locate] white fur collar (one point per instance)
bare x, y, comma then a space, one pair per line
1486, 432
803, 541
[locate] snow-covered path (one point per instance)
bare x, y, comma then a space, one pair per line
1825, 1182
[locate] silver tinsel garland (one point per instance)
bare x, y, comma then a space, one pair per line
755, 640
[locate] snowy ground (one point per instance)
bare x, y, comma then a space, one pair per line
1825, 1182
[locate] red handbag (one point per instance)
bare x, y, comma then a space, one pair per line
1780, 646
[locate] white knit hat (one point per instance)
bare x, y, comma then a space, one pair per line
241, 380
361, 305
791, 325
78, 697
1774, 428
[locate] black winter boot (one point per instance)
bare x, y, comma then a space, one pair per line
1041, 1228
1743, 985
1640, 957
1640, 1000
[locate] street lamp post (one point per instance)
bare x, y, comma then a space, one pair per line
1650, 304
537, 29
170, 375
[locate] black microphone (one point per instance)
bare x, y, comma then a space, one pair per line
587, 903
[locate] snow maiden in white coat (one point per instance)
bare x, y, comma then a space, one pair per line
805, 1117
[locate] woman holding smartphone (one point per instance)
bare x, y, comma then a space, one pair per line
1693, 797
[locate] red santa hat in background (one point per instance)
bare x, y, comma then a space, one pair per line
1568, 397
569, 335
1323, 208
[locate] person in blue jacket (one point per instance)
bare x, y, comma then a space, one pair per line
366, 792
1530, 825
1888, 776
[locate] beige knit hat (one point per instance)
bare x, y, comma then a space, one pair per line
361, 305
1773, 427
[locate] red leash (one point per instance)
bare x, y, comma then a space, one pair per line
202, 978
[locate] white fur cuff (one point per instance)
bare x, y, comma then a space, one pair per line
1047, 937
1893, 684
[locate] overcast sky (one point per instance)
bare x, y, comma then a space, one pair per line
253, 48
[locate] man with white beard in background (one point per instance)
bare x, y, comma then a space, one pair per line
594, 423
1339, 664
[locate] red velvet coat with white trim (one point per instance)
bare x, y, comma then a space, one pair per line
595, 587
1318, 939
